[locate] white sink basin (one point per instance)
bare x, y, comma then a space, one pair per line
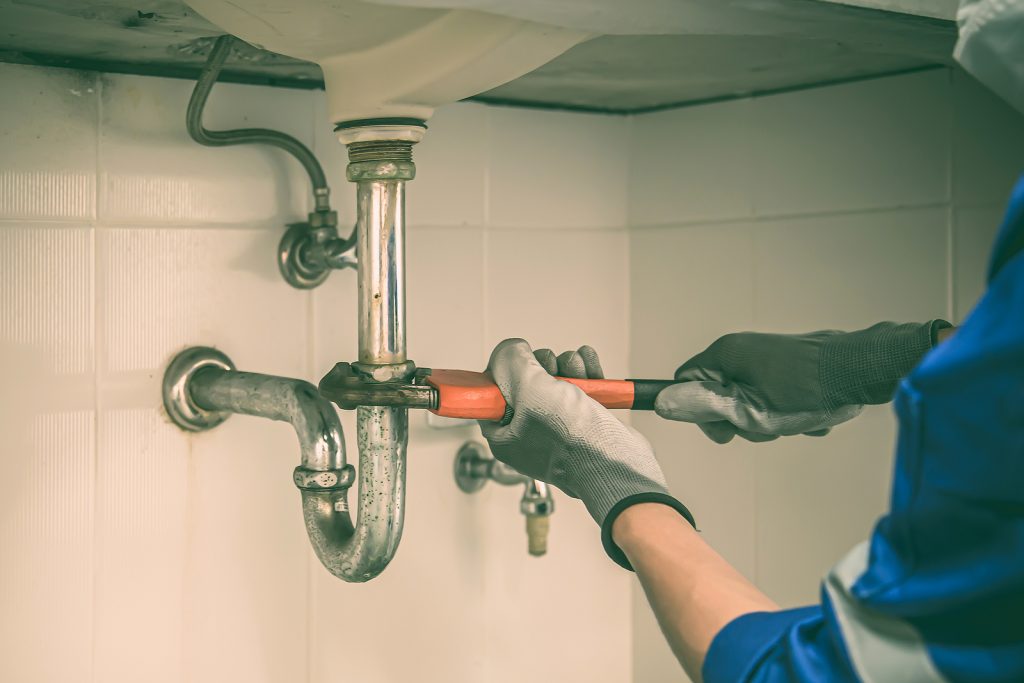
383, 62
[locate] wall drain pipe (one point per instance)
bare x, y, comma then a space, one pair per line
202, 389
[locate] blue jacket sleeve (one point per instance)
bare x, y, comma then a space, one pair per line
791, 646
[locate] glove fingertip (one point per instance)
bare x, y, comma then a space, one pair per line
547, 360
685, 402
591, 361
719, 432
754, 437
570, 364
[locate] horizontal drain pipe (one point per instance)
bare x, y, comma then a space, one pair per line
202, 388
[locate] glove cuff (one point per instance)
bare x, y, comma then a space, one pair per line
864, 367
613, 550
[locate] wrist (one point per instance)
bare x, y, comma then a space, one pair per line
864, 367
635, 520
638, 525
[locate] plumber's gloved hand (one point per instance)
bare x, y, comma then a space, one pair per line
763, 386
558, 434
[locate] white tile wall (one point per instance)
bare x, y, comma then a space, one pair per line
691, 164
550, 170
875, 144
47, 472
150, 554
829, 208
974, 230
177, 181
55, 177
988, 141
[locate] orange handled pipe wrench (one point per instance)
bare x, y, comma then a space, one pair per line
470, 395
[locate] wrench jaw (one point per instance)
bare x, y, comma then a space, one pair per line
349, 388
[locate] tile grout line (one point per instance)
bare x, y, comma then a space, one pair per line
798, 215
310, 300
94, 296
484, 329
950, 209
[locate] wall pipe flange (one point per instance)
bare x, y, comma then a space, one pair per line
178, 402
469, 476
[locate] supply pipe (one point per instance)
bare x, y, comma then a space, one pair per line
308, 251
245, 136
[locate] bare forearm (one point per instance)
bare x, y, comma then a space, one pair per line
693, 591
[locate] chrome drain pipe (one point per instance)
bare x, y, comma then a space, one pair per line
202, 387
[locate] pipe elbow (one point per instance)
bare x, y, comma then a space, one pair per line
359, 552
202, 388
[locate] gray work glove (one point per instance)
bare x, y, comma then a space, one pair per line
558, 434
763, 386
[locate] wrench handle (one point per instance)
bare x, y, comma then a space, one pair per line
474, 395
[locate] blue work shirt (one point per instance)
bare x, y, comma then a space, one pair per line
938, 593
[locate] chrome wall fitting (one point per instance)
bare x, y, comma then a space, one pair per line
474, 467
308, 252
178, 402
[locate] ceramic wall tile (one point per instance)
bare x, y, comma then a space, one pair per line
879, 143
151, 171
974, 233
691, 164
451, 169
227, 515
556, 170
577, 278
988, 144
850, 271
142, 475
48, 143
47, 472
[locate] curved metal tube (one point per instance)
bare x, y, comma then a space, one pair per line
352, 552
362, 553
294, 401
264, 136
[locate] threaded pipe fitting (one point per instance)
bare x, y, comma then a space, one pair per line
380, 150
